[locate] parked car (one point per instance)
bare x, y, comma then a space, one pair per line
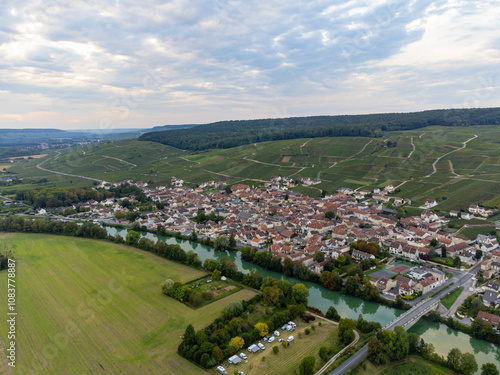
276, 333
290, 339
243, 355
283, 328
271, 339
280, 340
241, 373
261, 346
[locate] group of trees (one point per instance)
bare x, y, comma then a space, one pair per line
53, 197
479, 328
474, 304
14, 223
6, 254
368, 247
226, 134
269, 261
389, 346
224, 243
234, 329
202, 218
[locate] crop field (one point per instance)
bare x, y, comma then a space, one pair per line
91, 307
463, 175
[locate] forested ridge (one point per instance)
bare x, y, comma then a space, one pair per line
226, 134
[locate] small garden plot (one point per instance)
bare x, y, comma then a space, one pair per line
206, 290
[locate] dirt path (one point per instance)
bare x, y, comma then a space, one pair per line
353, 156
220, 174
262, 162
303, 145
451, 169
123, 161
192, 161
451, 152
39, 166
363, 149
300, 170
412, 151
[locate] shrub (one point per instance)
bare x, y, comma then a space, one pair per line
276, 349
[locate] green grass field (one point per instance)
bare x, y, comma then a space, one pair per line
467, 176
450, 298
288, 359
472, 232
414, 365
91, 307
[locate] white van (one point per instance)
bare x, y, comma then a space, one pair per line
221, 370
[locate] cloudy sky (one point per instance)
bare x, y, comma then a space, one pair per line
75, 64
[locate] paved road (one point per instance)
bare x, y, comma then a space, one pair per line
411, 316
351, 362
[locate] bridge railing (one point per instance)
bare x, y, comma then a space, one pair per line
411, 311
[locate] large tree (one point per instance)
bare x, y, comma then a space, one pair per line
489, 369
307, 365
468, 364
346, 327
237, 343
262, 328
453, 359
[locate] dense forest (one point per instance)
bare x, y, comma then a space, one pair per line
226, 134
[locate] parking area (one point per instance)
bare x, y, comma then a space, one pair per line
289, 356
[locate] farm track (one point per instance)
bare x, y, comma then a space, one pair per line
412, 151
451, 152
39, 166
123, 161
262, 162
353, 156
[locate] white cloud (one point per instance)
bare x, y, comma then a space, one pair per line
148, 63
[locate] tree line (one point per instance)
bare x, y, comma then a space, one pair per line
53, 197
234, 329
388, 346
478, 329
227, 134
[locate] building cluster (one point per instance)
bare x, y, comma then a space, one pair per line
295, 226
418, 280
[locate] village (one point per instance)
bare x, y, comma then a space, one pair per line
295, 226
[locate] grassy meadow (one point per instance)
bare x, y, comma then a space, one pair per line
413, 365
288, 359
464, 176
92, 307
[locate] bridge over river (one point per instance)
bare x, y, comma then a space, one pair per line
409, 318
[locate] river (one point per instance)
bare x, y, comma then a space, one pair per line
444, 339
440, 335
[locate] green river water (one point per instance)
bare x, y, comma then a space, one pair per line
440, 335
